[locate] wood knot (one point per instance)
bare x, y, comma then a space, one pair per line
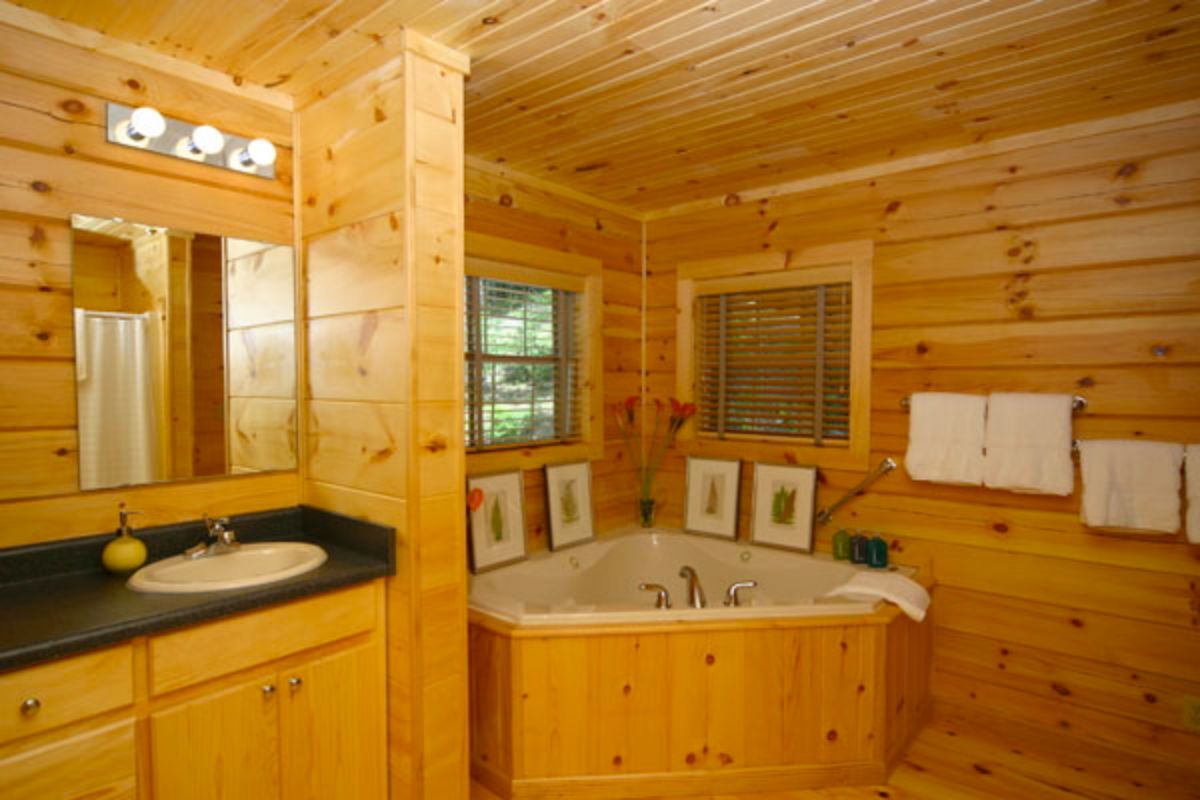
506, 200
831, 735
1060, 689
725, 759
1150, 698
941, 87
1086, 382
1000, 527
616, 761
37, 236
710, 659
135, 84
72, 106
62, 451
1076, 622
490, 20
732, 199
922, 348
436, 444
380, 114
1126, 170
42, 336
690, 758
626, 689
892, 207
981, 769
40, 186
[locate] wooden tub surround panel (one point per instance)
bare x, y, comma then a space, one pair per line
689, 707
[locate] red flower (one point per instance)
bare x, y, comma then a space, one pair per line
631, 402
687, 410
475, 499
676, 408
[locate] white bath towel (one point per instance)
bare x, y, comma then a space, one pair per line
1027, 444
945, 438
1193, 493
1130, 484
891, 586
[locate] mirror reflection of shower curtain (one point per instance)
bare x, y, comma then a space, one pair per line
118, 419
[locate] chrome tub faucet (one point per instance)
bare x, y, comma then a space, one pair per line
694, 589
732, 598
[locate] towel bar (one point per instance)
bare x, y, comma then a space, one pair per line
1079, 403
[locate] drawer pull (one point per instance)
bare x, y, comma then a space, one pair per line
295, 683
31, 707
268, 689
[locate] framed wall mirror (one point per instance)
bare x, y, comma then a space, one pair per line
185, 361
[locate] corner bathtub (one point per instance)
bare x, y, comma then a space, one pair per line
581, 688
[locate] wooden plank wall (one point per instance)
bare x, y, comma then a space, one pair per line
1072, 266
382, 234
54, 162
260, 330
506, 206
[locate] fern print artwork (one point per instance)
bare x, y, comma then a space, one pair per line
783, 504
568, 502
714, 484
496, 518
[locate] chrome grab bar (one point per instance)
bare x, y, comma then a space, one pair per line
885, 466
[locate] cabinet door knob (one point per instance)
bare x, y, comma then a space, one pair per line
268, 689
30, 707
295, 682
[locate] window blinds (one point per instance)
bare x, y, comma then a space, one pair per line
522, 364
775, 363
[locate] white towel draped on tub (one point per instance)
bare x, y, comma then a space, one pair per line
945, 438
1130, 484
1028, 443
891, 586
1193, 493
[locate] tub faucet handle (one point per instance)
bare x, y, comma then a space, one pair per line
664, 597
732, 598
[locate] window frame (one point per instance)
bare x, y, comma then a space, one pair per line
495, 258
835, 263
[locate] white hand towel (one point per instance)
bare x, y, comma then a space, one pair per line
1130, 484
891, 586
945, 438
1027, 443
1193, 493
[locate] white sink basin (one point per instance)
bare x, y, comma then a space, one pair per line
248, 565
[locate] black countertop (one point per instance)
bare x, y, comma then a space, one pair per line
56, 599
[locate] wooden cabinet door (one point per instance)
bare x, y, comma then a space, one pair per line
97, 764
221, 746
334, 738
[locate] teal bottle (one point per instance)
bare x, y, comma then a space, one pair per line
841, 545
858, 549
877, 553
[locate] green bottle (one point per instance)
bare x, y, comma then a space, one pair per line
841, 545
877, 553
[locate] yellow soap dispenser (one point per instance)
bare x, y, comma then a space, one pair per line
126, 552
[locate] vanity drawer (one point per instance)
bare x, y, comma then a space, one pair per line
48, 695
202, 652
99, 763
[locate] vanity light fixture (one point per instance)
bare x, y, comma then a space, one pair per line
145, 128
256, 153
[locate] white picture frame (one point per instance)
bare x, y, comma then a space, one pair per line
712, 489
569, 504
783, 500
497, 523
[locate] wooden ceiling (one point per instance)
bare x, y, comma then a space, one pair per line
653, 103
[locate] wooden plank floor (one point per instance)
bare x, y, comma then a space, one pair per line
957, 757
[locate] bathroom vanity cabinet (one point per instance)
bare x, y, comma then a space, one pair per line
282, 702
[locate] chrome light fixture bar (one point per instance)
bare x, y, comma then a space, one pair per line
145, 128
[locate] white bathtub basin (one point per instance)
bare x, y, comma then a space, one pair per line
249, 565
597, 583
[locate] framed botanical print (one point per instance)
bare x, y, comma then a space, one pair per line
711, 498
569, 503
496, 515
783, 506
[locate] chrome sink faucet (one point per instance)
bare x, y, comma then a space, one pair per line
694, 589
221, 539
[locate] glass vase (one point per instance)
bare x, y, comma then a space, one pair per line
646, 506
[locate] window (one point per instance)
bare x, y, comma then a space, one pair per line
775, 362
522, 364
775, 348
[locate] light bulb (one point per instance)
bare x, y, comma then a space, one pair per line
260, 152
208, 140
146, 123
